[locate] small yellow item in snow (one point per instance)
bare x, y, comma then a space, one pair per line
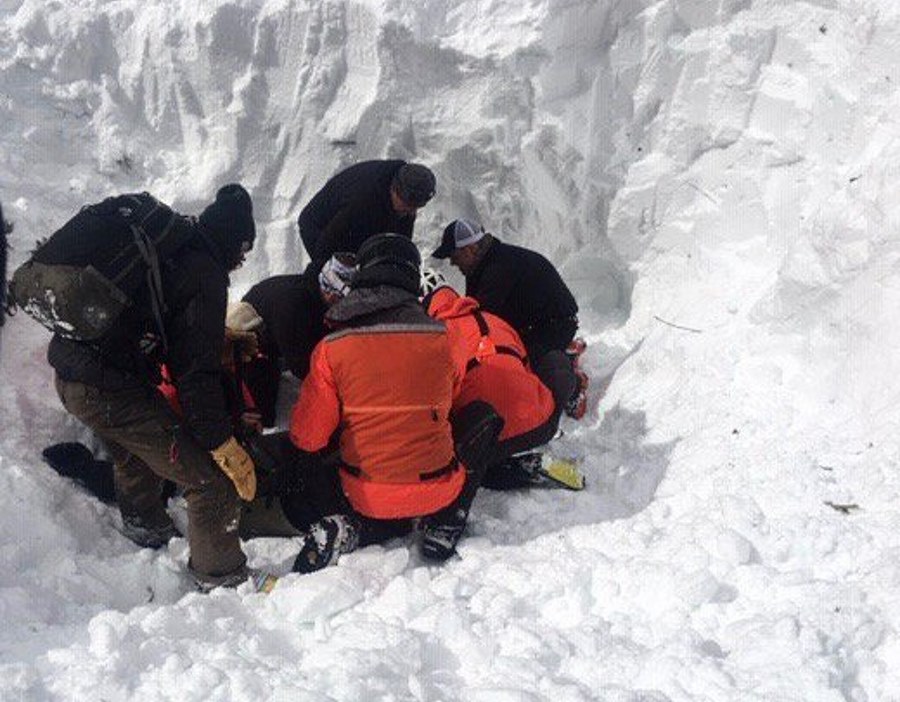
564, 472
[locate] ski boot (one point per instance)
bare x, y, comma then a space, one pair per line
325, 541
441, 532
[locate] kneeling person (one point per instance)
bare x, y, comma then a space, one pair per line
492, 364
385, 377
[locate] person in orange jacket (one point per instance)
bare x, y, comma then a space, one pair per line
492, 366
385, 378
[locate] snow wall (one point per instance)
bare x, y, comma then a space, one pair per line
717, 180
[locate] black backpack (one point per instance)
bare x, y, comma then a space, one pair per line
79, 281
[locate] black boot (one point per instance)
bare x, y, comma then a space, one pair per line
75, 461
325, 541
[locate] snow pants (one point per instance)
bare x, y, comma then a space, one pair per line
148, 447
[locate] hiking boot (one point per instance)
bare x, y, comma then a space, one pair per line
261, 580
75, 461
146, 536
325, 541
441, 534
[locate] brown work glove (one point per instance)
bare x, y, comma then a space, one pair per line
236, 463
246, 344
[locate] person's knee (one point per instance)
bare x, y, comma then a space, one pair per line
475, 430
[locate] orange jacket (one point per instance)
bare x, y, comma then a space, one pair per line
492, 364
389, 387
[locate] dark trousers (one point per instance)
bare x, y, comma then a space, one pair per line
311, 488
502, 474
308, 488
475, 430
148, 448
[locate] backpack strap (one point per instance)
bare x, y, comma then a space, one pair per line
154, 280
147, 249
486, 347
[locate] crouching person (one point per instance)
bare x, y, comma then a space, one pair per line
491, 359
109, 386
385, 377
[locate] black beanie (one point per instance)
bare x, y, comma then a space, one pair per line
229, 220
414, 184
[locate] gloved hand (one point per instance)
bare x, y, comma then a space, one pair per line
245, 342
236, 463
242, 316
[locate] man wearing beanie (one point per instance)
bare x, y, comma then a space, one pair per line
385, 380
110, 385
371, 197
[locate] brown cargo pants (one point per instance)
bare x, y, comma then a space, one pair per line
147, 448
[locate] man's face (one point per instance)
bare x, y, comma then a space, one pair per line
401, 206
465, 259
238, 260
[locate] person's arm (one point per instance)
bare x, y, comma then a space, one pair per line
196, 337
290, 332
316, 414
336, 236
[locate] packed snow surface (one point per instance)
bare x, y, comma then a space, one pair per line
719, 182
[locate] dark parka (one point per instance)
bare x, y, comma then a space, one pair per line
195, 283
293, 311
522, 287
352, 206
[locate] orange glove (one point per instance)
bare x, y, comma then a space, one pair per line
236, 463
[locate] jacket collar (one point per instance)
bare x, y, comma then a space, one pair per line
364, 301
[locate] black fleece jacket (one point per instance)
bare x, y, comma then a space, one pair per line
522, 287
352, 206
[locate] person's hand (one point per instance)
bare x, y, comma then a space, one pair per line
246, 343
236, 463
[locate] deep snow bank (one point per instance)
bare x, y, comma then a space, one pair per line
717, 180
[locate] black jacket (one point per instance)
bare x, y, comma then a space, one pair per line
524, 288
195, 284
293, 312
352, 206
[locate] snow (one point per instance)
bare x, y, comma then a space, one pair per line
717, 180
